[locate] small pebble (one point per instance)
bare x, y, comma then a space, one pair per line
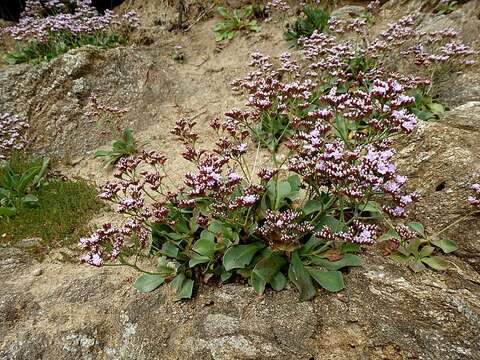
37, 272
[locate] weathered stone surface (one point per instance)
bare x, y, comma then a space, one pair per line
349, 11
385, 313
54, 95
442, 160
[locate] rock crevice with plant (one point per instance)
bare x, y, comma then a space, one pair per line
329, 121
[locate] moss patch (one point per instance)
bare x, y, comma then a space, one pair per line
65, 209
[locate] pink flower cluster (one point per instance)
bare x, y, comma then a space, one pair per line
99, 108
283, 228
280, 5
41, 21
475, 199
12, 134
130, 193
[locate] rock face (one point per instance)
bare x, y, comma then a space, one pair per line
442, 160
54, 96
386, 313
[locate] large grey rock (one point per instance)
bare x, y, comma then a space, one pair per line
442, 160
386, 312
54, 96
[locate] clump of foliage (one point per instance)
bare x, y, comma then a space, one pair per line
178, 54
233, 21
313, 18
445, 7
411, 245
64, 208
425, 108
48, 29
126, 146
34, 204
328, 191
18, 183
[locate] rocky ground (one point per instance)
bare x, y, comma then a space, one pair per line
60, 310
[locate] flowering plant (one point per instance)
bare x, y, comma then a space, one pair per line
328, 189
315, 205
47, 29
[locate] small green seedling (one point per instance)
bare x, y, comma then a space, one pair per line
16, 188
126, 146
314, 18
423, 250
234, 21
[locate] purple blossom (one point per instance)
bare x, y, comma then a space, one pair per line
283, 228
43, 21
475, 199
12, 134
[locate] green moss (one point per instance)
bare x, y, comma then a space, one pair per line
65, 209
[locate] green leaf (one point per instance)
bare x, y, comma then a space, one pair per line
426, 251
265, 269
328, 220
223, 231
300, 277
225, 275
165, 268
27, 179
436, 262
416, 266
446, 245
350, 248
313, 244
329, 280
283, 190
8, 211
148, 282
413, 246
240, 256
389, 235
198, 259
101, 153
417, 227
205, 247
371, 207
38, 179
170, 249
186, 291
223, 11
205, 234
278, 282
436, 108
258, 283
312, 206
30, 200
347, 260
295, 182
400, 257
183, 286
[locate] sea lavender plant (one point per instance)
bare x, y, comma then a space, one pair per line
323, 190
47, 29
330, 189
